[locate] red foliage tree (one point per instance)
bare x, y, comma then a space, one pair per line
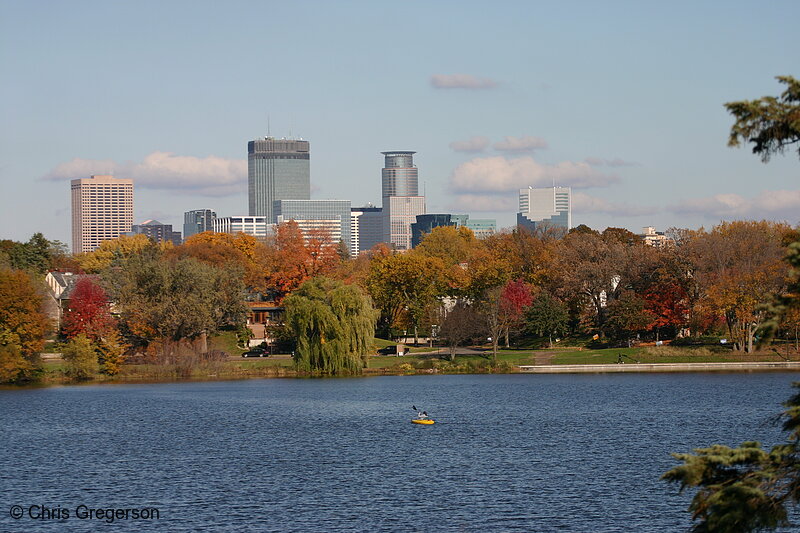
89, 311
668, 302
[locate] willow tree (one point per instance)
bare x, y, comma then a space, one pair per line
334, 325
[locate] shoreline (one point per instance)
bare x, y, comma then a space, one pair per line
617, 368
609, 368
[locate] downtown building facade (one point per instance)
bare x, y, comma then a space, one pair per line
156, 232
277, 169
102, 210
424, 224
256, 226
366, 228
545, 207
328, 217
198, 221
400, 196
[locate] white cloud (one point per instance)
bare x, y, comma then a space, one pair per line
461, 81
584, 203
208, 176
498, 175
520, 144
775, 205
616, 162
473, 144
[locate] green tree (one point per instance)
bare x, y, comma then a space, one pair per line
173, 300
628, 315
334, 325
547, 316
80, 357
746, 488
770, 124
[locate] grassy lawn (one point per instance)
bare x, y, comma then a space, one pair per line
225, 341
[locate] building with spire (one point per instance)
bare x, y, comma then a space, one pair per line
277, 169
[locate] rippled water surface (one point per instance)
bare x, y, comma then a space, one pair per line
508, 453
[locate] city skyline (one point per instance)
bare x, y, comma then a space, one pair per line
621, 102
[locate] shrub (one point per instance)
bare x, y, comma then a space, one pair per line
81, 358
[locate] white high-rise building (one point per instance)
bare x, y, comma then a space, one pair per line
102, 210
257, 226
547, 206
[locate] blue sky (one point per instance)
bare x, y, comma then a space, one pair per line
623, 101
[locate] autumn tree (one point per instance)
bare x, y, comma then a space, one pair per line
115, 252
460, 325
224, 250
334, 325
22, 322
452, 245
89, 311
14, 367
770, 124
405, 285
738, 268
504, 308
596, 270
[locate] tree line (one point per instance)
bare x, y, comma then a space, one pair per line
139, 296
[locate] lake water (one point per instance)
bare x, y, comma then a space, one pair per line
508, 452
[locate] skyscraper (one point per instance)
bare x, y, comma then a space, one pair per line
547, 206
401, 200
277, 169
198, 221
102, 210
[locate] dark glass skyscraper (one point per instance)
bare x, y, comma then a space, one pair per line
277, 169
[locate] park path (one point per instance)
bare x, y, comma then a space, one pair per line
544, 358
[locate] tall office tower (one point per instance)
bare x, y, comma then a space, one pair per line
102, 210
156, 232
401, 200
329, 216
198, 221
547, 206
366, 228
277, 169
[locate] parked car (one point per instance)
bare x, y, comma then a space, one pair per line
256, 352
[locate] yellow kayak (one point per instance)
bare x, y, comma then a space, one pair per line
426, 421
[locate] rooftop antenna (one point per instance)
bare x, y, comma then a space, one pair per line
268, 132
